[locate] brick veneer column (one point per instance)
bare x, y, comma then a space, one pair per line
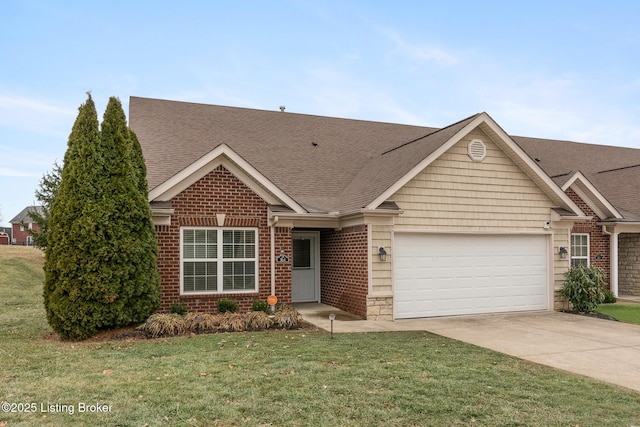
344, 269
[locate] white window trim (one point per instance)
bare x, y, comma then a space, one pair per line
588, 256
220, 260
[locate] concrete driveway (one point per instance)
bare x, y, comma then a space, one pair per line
602, 349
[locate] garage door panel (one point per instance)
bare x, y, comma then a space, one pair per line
439, 275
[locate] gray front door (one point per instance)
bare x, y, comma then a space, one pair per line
304, 277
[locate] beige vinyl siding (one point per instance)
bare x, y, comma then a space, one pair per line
455, 193
381, 271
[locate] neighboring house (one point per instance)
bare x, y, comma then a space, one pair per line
604, 182
22, 225
386, 221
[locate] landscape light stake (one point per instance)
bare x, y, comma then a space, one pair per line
332, 317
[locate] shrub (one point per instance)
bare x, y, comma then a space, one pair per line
609, 297
286, 318
164, 324
231, 322
584, 288
178, 309
258, 320
202, 322
227, 305
259, 305
100, 269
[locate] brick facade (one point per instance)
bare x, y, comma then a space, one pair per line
599, 242
344, 269
21, 237
629, 264
220, 192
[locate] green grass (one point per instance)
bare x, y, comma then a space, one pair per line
276, 378
629, 313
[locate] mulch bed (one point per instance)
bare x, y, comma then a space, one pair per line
594, 314
130, 333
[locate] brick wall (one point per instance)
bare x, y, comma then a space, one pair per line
599, 251
220, 192
21, 237
629, 264
344, 269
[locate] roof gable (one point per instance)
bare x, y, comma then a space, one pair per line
612, 172
591, 196
503, 141
25, 215
225, 156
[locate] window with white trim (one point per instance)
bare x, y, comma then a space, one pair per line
218, 260
579, 249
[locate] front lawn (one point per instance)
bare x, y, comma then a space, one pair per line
629, 313
276, 378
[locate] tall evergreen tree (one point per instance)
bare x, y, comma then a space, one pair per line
131, 234
100, 269
72, 284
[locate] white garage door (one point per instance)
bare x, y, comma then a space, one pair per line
443, 275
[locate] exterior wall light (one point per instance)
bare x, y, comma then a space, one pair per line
563, 252
382, 253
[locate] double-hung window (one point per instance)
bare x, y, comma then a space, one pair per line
579, 249
218, 260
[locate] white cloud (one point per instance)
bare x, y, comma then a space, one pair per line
15, 173
420, 52
36, 115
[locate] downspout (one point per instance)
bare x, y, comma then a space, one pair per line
613, 265
272, 229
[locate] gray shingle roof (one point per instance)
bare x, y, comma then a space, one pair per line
24, 217
331, 164
313, 159
614, 171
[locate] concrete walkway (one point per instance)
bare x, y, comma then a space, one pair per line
602, 349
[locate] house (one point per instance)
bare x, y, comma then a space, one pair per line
604, 182
22, 225
383, 220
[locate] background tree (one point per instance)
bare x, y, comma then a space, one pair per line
100, 267
45, 195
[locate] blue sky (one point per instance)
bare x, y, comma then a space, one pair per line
550, 69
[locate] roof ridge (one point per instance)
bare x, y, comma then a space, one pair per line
429, 134
278, 112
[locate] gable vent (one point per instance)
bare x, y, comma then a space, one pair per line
477, 150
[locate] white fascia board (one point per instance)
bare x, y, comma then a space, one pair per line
532, 165
423, 164
482, 118
579, 177
225, 156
